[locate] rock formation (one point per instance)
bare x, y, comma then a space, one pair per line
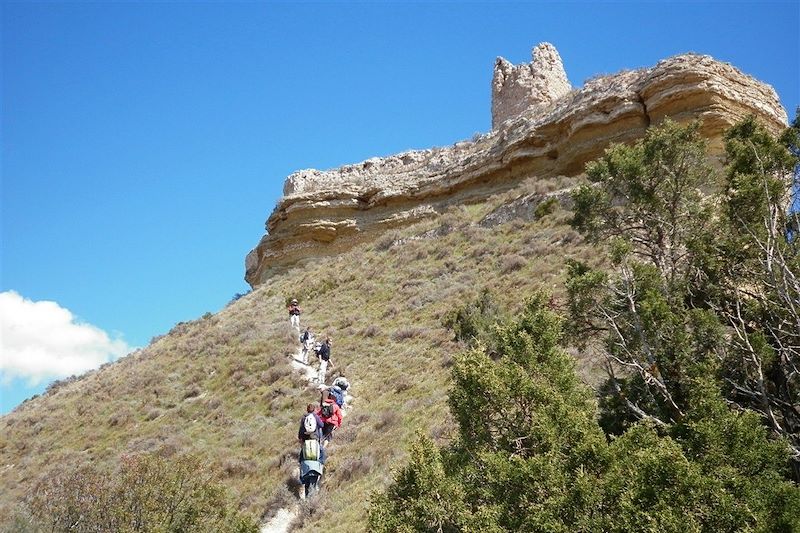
540, 128
521, 89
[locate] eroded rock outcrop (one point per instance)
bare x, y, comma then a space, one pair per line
519, 89
556, 131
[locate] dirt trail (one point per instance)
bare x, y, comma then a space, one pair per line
281, 521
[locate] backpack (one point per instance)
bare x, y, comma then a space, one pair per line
338, 395
327, 410
309, 424
311, 450
341, 383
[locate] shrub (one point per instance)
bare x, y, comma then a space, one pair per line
387, 241
386, 419
237, 466
545, 207
147, 493
402, 334
472, 322
371, 331
237, 296
511, 263
353, 468
535, 459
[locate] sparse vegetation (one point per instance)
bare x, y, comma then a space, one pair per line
223, 392
145, 493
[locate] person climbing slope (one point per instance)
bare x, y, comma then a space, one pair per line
310, 425
294, 314
307, 340
337, 390
331, 416
312, 455
324, 354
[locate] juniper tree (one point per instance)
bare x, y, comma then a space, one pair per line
530, 455
704, 277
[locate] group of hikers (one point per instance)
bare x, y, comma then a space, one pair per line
320, 420
321, 349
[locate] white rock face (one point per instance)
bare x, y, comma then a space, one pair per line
521, 89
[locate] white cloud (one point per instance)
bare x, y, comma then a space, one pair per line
42, 340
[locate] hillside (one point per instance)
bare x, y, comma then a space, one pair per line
222, 387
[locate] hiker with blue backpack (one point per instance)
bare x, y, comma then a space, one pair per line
338, 390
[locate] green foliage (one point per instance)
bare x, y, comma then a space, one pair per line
649, 195
702, 284
472, 323
545, 207
755, 174
533, 374
531, 457
423, 498
700, 301
147, 494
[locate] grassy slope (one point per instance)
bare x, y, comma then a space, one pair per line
221, 386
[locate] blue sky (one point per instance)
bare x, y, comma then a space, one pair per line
145, 144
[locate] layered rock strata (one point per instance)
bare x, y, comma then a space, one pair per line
556, 132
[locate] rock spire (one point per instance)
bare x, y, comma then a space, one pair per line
519, 89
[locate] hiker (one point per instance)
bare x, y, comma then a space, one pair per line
294, 314
310, 425
311, 450
307, 340
342, 383
324, 354
337, 390
312, 459
331, 416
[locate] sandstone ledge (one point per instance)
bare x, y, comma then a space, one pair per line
326, 212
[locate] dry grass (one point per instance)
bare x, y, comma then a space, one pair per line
513, 262
221, 386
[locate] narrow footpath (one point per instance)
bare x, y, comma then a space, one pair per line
283, 519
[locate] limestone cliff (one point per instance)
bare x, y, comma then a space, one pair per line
540, 128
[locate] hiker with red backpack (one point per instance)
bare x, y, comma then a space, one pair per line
294, 314
331, 416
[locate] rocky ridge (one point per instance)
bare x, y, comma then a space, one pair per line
541, 129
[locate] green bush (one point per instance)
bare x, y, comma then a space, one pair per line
148, 493
531, 455
704, 280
